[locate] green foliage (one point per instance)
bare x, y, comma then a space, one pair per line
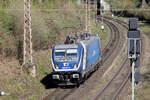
142, 14
44, 3
104, 35
137, 3
42, 70
1, 41
134, 8
46, 29
49, 4
46, 23
143, 92
4, 3
7, 45
6, 21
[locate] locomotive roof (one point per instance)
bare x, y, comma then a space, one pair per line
92, 38
64, 46
72, 42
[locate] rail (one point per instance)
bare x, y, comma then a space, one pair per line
107, 51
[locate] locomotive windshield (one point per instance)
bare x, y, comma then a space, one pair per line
66, 54
72, 53
60, 53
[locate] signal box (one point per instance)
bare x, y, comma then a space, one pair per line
134, 42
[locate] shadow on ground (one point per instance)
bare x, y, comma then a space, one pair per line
48, 82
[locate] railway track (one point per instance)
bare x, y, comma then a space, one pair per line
106, 93
113, 96
124, 82
124, 24
111, 46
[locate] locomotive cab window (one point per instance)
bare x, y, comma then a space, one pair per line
71, 53
66, 54
59, 53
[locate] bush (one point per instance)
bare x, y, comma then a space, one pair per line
46, 23
7, 40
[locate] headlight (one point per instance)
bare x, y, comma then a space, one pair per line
75, 66
56, 66
55, 76
75, 75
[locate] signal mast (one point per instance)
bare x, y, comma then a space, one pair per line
134, 50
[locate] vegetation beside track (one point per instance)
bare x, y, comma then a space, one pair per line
142, 93
7, 39
46, 25
103, 34
129, 8
143, 88
46, 22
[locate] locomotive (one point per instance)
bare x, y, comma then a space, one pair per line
75, 59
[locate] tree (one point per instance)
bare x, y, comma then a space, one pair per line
148, 2
144, 4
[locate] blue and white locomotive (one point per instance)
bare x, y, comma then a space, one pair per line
74, 60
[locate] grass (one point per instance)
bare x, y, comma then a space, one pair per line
134, 10
143, 93
6, 23
104, 35
46, 31
22, 86
145, 28
7, 40
1, 41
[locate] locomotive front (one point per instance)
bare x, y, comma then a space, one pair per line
66, 63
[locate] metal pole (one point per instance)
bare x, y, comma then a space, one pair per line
102, 16
133, 80
30, 30
79, 2
28, 57
89, 23
102, 27
86, 16
24, 45
28, 52
95, 3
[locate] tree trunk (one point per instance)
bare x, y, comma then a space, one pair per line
144, 4
79, 2
149, 3
41, 1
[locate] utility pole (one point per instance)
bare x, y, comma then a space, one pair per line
27, 56
111, 8
102, 9
95, 7
86, 16
89, 19
143, 4
79, 2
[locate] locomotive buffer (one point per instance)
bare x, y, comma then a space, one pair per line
134, 50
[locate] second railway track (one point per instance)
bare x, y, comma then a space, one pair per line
112, 88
